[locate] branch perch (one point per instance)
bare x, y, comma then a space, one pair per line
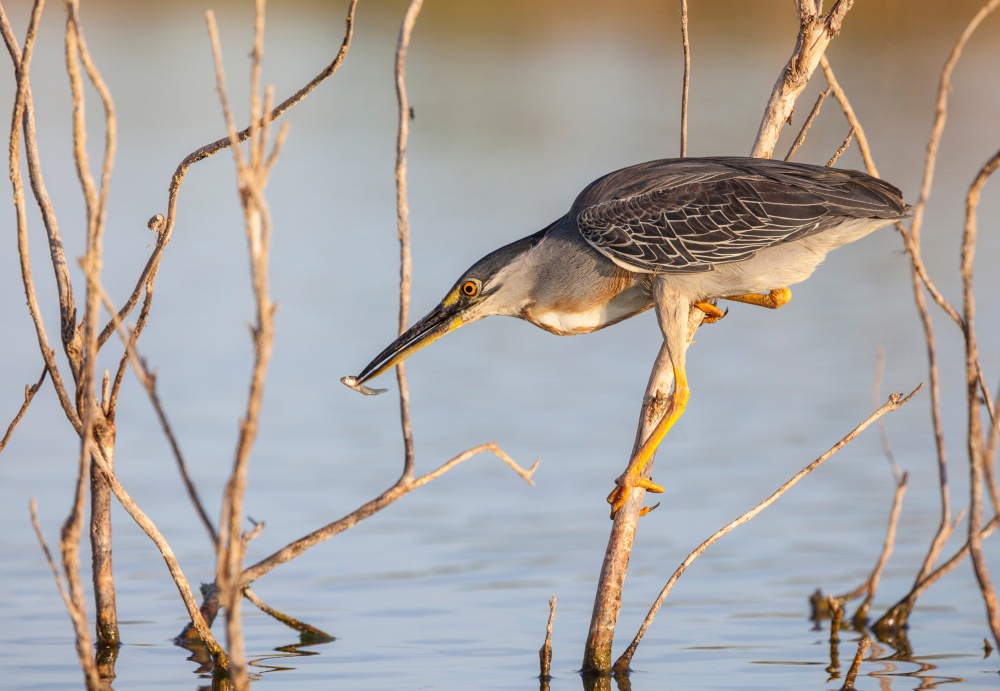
895, 402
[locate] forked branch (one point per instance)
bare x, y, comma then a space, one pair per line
894, 403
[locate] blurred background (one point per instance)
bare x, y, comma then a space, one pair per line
518, 105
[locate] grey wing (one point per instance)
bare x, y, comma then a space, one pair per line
695, 220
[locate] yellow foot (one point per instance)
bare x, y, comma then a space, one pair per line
624, 484
773, 300
712, 313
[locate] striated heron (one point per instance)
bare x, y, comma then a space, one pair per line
667, 234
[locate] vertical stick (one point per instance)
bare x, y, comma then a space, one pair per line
815, 33
597, 657
687, 77
975, 440
403, 227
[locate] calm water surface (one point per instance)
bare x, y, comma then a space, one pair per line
518, 106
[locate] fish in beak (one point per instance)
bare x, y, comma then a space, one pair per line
442, 319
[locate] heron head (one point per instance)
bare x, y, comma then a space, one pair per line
494, 285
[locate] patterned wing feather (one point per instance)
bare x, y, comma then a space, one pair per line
685, 215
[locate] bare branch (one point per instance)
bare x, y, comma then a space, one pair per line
815, 33
976, 445
148, 381
941, 115
29, 393
842, 149
77, 610
165, 227
251, 175
397, 491
687, 77
288, 621
545, 652
154, 534
807, 124
870, 586
64, 287
22, 65
895, 401
852, 673
403, 227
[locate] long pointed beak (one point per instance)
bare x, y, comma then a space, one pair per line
440, 321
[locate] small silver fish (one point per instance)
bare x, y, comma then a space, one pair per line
352, 383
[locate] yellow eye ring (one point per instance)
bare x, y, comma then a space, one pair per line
469, 289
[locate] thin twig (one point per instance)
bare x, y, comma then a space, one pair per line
288, 621
94, 420
895, 618
815, 33
807, 124
685, 42
545, 652
22, 63
918, 276
941, 115
852, 118
894, 402
77, 616
403, 227
842, 149
251, 180
67, 309
165, 225
870, 586
975, 440
852, 673
29, 393
148, 381
173, 566
883, 431
397, 491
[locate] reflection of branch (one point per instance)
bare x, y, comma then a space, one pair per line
403, 227
895, 401
397, 491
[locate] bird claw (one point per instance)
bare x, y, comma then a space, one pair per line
624, 484
712, 313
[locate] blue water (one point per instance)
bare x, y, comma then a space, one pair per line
517, 108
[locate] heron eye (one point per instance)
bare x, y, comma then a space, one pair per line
470, 289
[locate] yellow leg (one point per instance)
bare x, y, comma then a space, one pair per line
712, 313
632, 477
773, 300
